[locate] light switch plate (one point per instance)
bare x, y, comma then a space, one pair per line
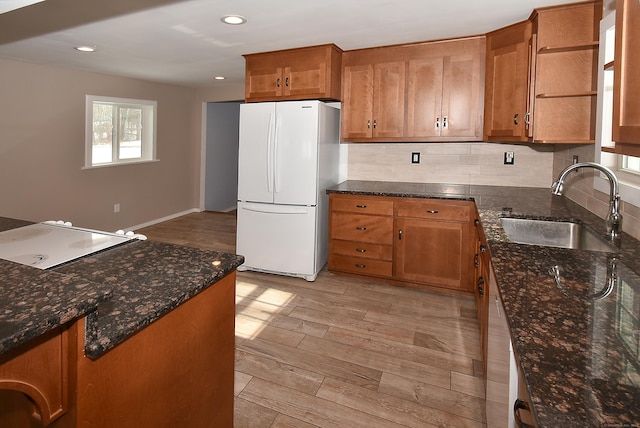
415, 157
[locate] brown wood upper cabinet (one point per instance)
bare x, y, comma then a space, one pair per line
566, 73
508, 98
626, 104
294, 74
541, 82
430, 91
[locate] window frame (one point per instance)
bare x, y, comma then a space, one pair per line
149, 128
629, 181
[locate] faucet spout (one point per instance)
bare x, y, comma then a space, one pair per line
613, 222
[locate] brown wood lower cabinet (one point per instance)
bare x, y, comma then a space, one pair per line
176, 372
411, 241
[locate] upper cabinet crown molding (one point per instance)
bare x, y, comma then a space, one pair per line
428, 91
294, 74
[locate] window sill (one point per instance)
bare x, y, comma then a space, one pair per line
108, 165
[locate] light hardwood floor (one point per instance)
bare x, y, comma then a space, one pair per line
343, 352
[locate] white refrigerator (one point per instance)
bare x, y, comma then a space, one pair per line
288, 157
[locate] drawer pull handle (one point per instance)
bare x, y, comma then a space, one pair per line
432, 211
517, 406
361, 250
361, 228
360, 266
361, 206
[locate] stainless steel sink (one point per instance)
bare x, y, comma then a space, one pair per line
553, 234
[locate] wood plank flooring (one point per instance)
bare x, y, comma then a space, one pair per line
342, 352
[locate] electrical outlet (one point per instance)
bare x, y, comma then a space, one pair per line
415, 157
116, 208
509, 158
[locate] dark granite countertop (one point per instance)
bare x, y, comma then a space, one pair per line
120, 290
576, 340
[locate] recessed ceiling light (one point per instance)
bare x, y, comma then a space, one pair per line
219, 78
85, 48
233, 19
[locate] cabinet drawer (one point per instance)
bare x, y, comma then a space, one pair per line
362, 249
360, 266
362, 205
434, 209
362, 228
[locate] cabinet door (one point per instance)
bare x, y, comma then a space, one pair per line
626, 106
388, 99
263, 80
432, 252
357, 102
462, 89
305, 79
424, 90
506, 114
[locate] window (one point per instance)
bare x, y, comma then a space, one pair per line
119, 131
627, 168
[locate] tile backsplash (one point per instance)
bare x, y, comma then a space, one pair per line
459, 163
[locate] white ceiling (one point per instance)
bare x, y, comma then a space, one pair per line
183, 41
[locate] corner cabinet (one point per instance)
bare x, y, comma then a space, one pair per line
626, 105
294, 74
566, 72
417, 242
541, 80
431, 91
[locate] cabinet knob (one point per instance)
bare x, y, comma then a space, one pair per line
361, 228
432, 211
483, 248
286, 82
361, 250
360, 266
375, 123
445, 124
361, 206
476, 222
515, 119
481, 286
437, 123
368, 124
400, 234
278, 82
527, 122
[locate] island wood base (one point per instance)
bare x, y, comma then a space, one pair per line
177, 372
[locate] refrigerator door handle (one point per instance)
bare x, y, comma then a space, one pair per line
270, 153
275, 153
274, 209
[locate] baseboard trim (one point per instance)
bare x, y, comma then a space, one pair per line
160, 220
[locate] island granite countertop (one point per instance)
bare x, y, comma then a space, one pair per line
120, 290
576, 340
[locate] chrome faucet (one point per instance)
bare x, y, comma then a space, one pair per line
613, 222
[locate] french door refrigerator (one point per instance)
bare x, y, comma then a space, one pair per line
288, 157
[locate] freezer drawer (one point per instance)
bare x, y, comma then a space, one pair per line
278, 239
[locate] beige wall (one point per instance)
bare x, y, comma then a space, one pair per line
42, 137
461, 163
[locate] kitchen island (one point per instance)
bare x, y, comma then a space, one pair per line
576, 342
138, 335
